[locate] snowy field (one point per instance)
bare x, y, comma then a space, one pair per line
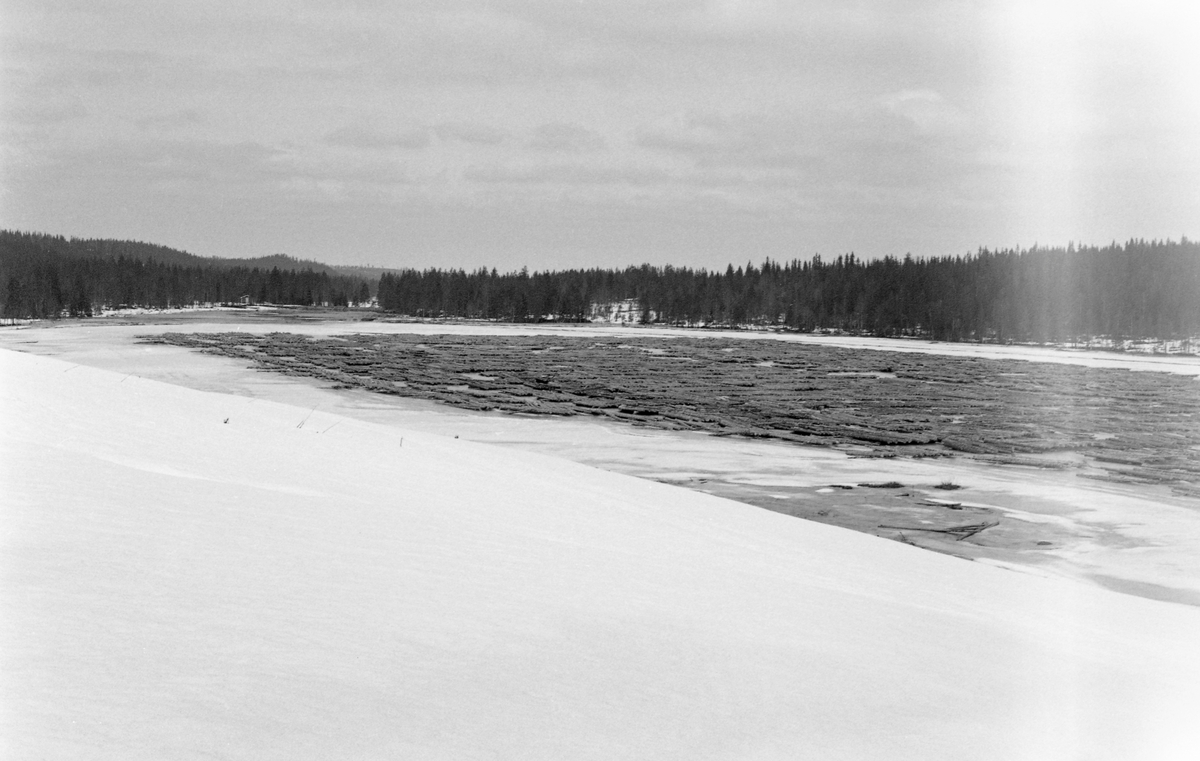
1135, 539
200, 561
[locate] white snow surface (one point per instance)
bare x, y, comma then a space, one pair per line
1137, 539
1183, 364
196, 575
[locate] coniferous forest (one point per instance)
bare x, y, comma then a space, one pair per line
45, 276
1141, 289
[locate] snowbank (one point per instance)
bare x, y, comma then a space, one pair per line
195, 575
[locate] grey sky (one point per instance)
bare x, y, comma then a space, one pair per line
551, 133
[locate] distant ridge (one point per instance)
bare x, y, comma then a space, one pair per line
47, 276
141, 251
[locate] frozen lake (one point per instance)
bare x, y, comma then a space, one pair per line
1136, 539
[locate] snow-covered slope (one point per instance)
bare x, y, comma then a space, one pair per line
191, 575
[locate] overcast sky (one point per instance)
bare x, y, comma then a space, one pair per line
553, 134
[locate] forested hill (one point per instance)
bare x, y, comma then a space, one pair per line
1141, 289
146, 252
43, 276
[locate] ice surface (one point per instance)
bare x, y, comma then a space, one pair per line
191, 574
1138, 539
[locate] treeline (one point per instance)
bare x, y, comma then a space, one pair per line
45, 276
1139, 289
134, 249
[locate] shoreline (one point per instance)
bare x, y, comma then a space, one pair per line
252, 317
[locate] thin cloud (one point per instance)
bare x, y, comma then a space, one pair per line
361, 137
475, 134
569, 174
187, 117
44, 111
688, 133
927, 110
565, 138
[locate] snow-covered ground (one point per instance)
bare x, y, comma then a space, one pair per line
193, 574
1138, 539
252, 322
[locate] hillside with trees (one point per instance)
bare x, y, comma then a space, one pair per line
1139, 289
138, 250
45, 276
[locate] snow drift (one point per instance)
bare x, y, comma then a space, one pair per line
192, 575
